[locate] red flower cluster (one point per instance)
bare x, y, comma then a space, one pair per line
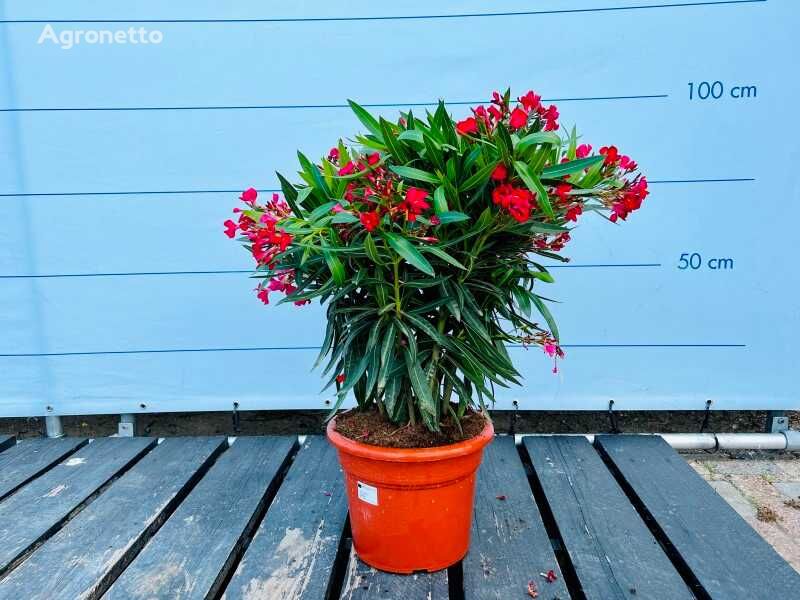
517, 201
631, 198
530, 106
267, 240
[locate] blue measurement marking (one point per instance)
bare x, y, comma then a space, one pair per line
399, 17
307, 106
282, 348
240, 271
275, 190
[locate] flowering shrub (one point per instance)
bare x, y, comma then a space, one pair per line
424, 240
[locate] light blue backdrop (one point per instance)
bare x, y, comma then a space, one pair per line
118, 164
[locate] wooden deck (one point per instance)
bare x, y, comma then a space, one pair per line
266, 518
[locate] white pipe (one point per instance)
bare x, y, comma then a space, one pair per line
52, 426
785, 440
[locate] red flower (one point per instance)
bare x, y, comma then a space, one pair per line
230, 228
583, 150
467, 126
531, 101
573, 212
517, 201
550, 114
500, 172
249, 196
415, 203
348, 169
562, 189
519, 118
369, 220
495, 113
333, 155
373, 158
263, 295
626, 163
550, 576
340, 378
435, 220
611, 153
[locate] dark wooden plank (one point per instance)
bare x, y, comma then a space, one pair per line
192, 553
293, 552
30, 458
362, 582
42, 506
6, 441
509, 545
611, 549
726, 557
81, 559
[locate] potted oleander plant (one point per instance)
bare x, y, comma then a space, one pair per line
426, 238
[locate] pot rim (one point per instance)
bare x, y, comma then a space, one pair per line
410, 455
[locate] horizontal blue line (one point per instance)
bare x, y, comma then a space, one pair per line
722, 180
305, 106
239, 191
393, 17
282, 348
240, 271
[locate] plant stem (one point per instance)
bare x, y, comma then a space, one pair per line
397, 287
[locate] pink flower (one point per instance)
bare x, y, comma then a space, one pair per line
435, 220
337, 208
230, 228
583, 150
348, 169
249, 196
373, 158
333, 155
263, 295
519, 118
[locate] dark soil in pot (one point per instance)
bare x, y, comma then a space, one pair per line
369, 427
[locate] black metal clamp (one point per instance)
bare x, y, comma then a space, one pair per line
612, 418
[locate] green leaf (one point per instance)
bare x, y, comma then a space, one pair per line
444, 256
572, 166
452, 216
535, 186
290, 194
344, 217
417, 174
479, 178
372, 250
439, 201
409, 253
540, 137
411, 135
427, 406
545, 312
312, 171
323, 210
367, 120
334, 264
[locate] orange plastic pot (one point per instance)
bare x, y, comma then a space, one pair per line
410, 509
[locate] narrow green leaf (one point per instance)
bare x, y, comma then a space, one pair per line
367, 120
540, 137
452, 216
290, 194
344, 217
444, 256
416, 174
573, 166
419, 384
535, 186
545, 312
439, 201
409, 253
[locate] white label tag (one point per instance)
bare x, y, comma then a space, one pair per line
367, 493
